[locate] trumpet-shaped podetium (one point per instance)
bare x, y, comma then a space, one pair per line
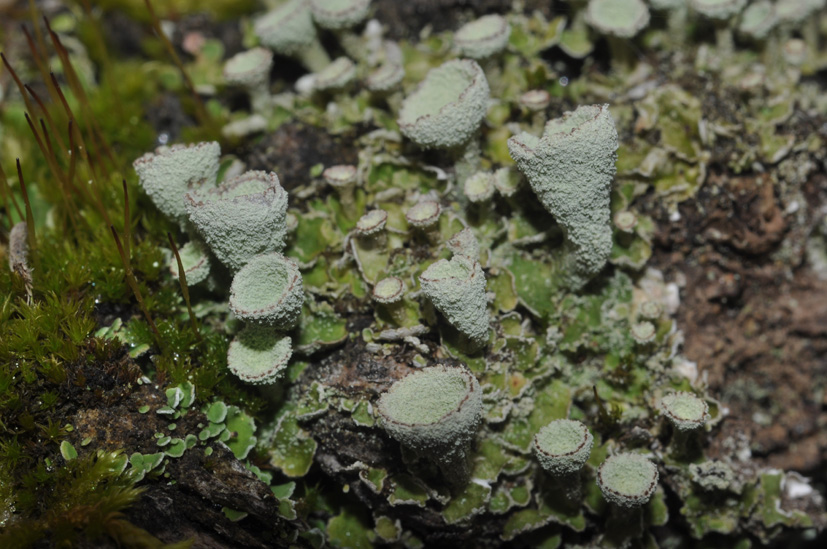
339, 14
643, 332
268, 290
372, 223
386, 78
627, 479
259, 354
447, 108
242, 218
424, 214
684, 410
621, 18
625, 221
563, 446
479, 187
251, 70
457, 290
464, 243
388, 290
718, 9
571, 168
483, 37
758, 20
436, 412
335, 76
195, 259
167, 174
289, 30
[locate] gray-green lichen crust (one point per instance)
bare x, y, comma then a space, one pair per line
447, 107
457, 290
242, 218
571, 168
268, 290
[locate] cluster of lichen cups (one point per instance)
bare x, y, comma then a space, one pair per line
242, 224
761, 22
435, 412
291, 30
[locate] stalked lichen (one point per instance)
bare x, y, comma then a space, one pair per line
571, 168
268, 290
242, 218
435, 412
168, 174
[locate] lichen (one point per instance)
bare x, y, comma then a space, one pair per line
557, 303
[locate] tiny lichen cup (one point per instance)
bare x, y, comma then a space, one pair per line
259, 354
688, 414
370, 229
335, 77
562, 447
388, 293
268, 290
446, 111
341, 17
627, 480
619, 21
343, 179
424, 217
479, 188
251, 70
289, 30
435, 412
483, 37
339, 14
